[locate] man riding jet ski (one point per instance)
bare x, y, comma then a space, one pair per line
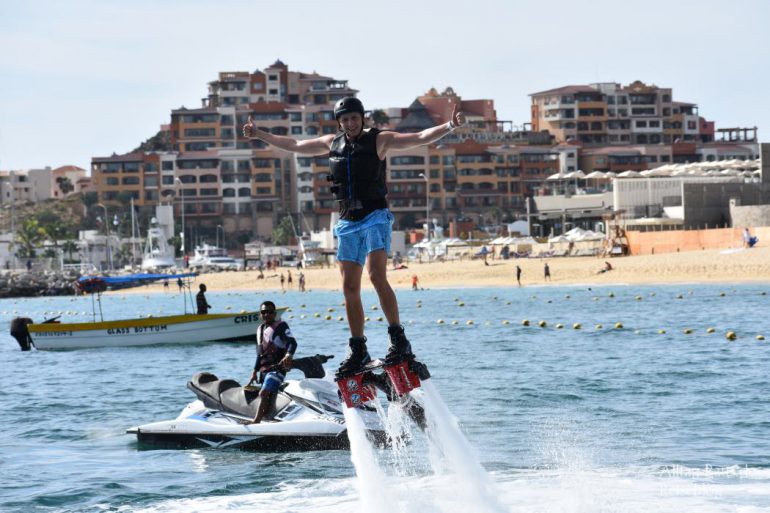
305, 414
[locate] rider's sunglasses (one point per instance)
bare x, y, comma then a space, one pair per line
267, 312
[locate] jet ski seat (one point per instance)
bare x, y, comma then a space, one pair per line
229, 396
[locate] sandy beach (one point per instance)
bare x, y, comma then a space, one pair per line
707, 266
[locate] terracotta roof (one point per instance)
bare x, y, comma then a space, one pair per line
185, 110
128, 157
570, 89
267, 107
470, 147
64, 169
418, 118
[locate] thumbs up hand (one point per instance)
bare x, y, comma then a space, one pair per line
249, 130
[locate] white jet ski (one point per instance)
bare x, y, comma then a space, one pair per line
305, 415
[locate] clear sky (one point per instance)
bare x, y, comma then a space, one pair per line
86, 78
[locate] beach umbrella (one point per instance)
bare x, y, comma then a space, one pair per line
578, 174
596, 175
629, 174
556, 176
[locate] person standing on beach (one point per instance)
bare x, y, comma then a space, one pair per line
200, 300
518, 275
415, 280
290, 279
357, 161
283, 280
547, 272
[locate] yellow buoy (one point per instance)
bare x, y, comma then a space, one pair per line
730, 335
576, 326
454, 322
460, 304
549, 301
687, 331
567, 296
662, 332
710, 330
440, 321
506, 321
760, 337
419, 306
379, 319
542, 324
638, 298
469, 322
328, 317
595, 298
340, 318
507, 302
722, 294
611, 294
330, 310
599, 326
367, 318
525, 322
618, 325
316, 314
559, 326
374, 307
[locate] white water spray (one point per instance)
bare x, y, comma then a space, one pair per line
447, 440
372, 482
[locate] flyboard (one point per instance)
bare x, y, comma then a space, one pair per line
397, 379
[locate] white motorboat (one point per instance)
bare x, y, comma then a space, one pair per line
212, 257
157, 253
173, 329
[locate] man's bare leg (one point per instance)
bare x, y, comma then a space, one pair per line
351, 288
377, 266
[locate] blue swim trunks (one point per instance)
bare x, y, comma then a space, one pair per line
272, 381
356, 239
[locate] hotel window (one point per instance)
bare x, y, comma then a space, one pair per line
295, 116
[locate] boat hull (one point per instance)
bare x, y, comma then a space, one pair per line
176, 329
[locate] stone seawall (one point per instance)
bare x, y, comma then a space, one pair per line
37, 284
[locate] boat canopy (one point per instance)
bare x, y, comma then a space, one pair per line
135, 278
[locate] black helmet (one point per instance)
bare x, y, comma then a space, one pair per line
346, 105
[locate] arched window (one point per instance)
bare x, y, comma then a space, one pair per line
244, 192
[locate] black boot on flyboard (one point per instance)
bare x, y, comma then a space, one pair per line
357, 381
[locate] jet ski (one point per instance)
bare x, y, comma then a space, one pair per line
306, 414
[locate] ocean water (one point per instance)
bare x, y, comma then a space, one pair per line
596, 419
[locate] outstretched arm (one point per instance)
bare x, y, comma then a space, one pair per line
315, 146
396, 141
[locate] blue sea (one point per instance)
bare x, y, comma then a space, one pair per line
627, 412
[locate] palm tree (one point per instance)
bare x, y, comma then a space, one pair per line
379, 118
29, 236
65, 185
69, 247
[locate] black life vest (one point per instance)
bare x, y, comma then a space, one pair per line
358, 175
